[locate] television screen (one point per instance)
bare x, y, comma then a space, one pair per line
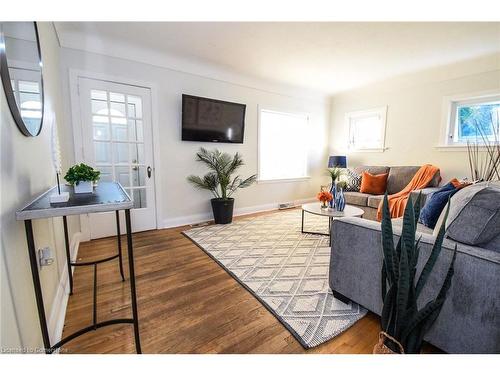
210, 120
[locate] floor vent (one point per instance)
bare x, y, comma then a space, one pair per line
285, 206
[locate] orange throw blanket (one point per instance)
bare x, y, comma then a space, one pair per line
397, 202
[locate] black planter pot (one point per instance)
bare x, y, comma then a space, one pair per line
223, 210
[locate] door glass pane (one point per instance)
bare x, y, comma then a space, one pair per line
102, 152
100, 119
121, 153
134, 106
99, 107
122, 175
106, 173
101, 132
139, 197
136, 130
138, 176
117, 104
119, 132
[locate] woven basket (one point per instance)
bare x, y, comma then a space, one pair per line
381, 348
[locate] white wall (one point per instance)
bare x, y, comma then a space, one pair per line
181, 203
27, 171
414, 114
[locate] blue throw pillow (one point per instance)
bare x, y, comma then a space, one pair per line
435, 205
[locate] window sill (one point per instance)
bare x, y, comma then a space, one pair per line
369, 150
456, 148
284, 180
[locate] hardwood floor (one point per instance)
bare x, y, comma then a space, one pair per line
187, 304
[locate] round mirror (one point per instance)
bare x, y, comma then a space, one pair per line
21, 72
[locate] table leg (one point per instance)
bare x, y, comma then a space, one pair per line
36, 284
68, 255
302, 228
118, 236
132, 281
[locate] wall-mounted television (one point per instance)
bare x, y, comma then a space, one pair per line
210, 120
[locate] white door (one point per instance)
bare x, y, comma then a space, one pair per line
117, 140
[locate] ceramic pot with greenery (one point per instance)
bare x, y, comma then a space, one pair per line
82, 177
404, 324
219, 181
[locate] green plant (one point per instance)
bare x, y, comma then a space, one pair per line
219, 181
334, 173
400, 316
81, 172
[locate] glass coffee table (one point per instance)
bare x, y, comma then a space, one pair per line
332, 214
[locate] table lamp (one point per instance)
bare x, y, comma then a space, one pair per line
337, 161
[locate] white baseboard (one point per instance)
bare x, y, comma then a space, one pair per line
60, 302
200, 218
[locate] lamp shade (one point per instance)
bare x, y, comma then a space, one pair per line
337, 161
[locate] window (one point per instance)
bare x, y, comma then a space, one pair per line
367, 129
283, 145
473, 119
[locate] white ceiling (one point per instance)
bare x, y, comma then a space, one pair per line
325, 57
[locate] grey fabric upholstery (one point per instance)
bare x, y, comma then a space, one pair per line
374, 200
371, 169
474, 216
399, 177
356, 198
469, 321
398, 222
493, 244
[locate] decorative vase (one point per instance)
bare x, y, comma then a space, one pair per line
82, 187
381, 348
340, 200
324, 204
333, 192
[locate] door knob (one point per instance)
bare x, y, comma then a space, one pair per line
149, 171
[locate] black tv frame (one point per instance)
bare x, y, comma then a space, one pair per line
183, 136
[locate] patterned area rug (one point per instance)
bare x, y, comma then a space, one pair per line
287, 271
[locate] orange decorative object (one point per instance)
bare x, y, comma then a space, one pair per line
374, 183
397, 202
324, 196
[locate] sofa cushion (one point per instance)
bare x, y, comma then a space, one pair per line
493, 244
434, 205
374, 183
374, 200
474, 216
399, 177
352, 180
371, 169
356, 198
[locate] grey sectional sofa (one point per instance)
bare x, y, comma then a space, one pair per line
398, 178
469, 321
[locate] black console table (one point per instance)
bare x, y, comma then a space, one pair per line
107, 196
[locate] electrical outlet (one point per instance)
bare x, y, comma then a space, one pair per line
45, 256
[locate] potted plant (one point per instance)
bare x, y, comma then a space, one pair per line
334, 174
82, 177
219, 181
403, 323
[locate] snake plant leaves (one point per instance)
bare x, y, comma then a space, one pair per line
388, 240
436, 250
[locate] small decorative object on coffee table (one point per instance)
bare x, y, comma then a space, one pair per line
82, 177
316, 209
324, 197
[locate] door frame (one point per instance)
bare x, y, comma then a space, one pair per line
77, 128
